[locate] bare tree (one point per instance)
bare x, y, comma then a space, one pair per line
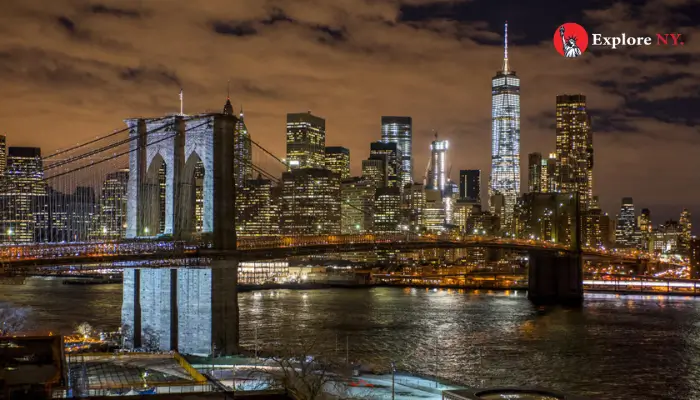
84, 329
150, 339
12, 319
306, 372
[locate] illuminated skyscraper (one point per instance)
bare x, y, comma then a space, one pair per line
256, 215
23, 195
390, 155
387, 214
338, 161
306, 141
470, 185
626, 234
399, 130
437, 177
3, 154
310, 202
357, 205
374, 170
505, 135
686, 226
574, 166
243, 150
413, 205
112, 223
645, 226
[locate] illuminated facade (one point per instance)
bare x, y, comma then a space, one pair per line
3, 154
645, 228
390, 155
549, 217
470, 185
413, 206
399, 130
306, 141
255, 209
113, 198
23, 198
534, 175
666, 239
357, 205
574, 166
310, 202
505, 136
242, 147
434, 212
387, 214
686, 231
626, 233
437, 177
338, 161
374, 170
597, 227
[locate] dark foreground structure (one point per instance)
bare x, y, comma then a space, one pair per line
506, 393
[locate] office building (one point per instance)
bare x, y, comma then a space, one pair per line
470, 185
694, 258
597, 227
686, 231
437, 177
666, 239
338, 161
375, 171
112, 220
399, 130
390, 155
505, 136
3, 154
357, 205
434, 212
310, 202
645, 227
256, 212
243, 149
387, 214
306, 141
413, 206
626, 233
23, 197
574, 166
548, 217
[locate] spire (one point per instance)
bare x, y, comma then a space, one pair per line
228, 108
505, 49
182, 103
241, 113
228, 90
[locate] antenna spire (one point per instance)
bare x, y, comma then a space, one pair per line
228, 90
505, 49
182, 107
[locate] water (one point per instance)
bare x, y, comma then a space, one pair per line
615, 347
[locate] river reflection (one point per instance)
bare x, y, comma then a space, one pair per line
615, 347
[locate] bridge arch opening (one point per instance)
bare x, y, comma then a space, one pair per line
193, 196
155, 191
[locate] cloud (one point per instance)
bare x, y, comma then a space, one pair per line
88, 65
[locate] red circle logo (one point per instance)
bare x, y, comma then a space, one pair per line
570, 40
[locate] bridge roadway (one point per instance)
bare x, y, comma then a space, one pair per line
264, 248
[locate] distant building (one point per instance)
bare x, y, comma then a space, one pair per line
597, 227
666, 239
338, 161
387, 215
375, 170
390, 155
399, 130
357, 205
112, 220
574, 148
434, 218
306, 141
548, 217
243, 149
645, 227
3, 154
437, 177
686, 227
413, 206
470, 185
626, 234
541, 173
23, 196
310, 202
694, 258
256, 210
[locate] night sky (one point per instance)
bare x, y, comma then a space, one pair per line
71, 70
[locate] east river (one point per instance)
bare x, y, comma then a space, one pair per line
615, 347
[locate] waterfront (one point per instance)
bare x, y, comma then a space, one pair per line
641, 347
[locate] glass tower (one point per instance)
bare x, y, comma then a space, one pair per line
437, 180
574, 164
505, 135
399, 130
306, 141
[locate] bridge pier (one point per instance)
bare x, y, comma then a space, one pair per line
555, 278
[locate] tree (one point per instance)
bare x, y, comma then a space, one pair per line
84, 330
150, 339
12, 319
306, 372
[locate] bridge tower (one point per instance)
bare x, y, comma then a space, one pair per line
558, 278
165, 156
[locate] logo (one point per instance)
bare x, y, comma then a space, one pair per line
570, 40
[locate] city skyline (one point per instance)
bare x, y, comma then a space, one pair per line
644, 159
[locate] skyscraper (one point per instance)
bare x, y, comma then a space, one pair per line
357, 205
23, 194
626, 234
470, 185
112, 223
390, 154
256, 216
686, 231
574, 167
306, 141
310, 203
338, 161
3, 154
437, 178
243, 149
399, 130
505, 135
534, 175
